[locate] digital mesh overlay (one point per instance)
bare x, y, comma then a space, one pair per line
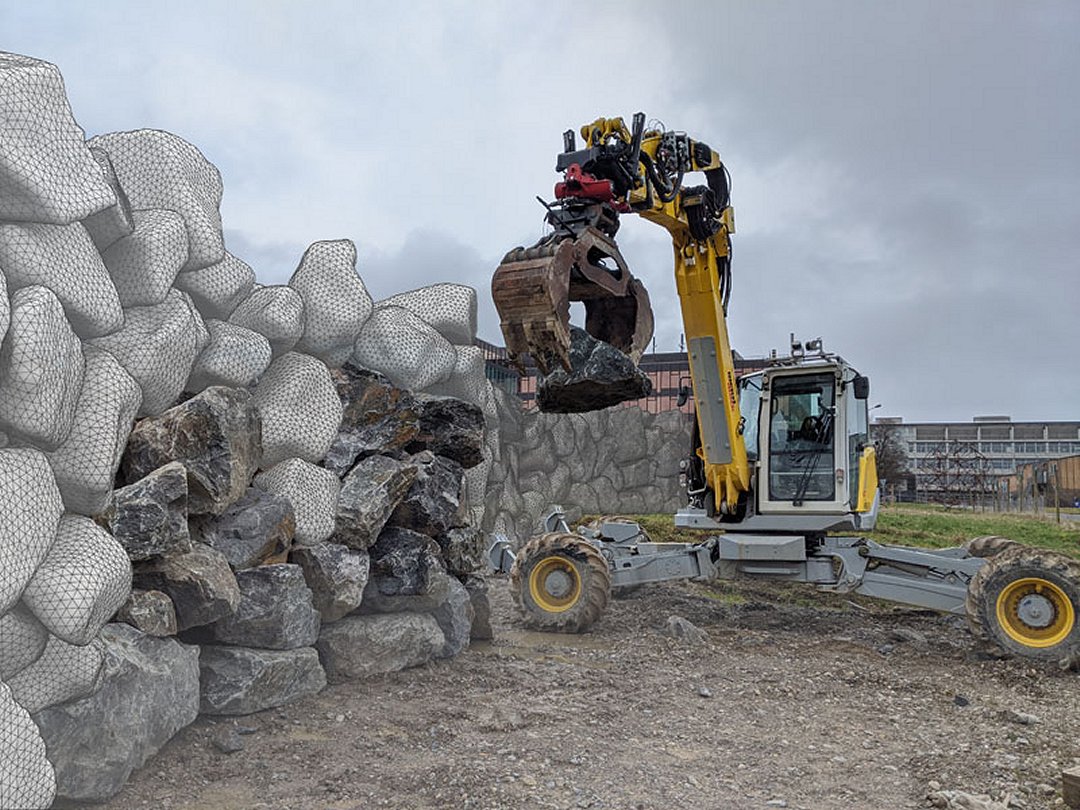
235, 357
395, 342
28, 521
312, 491
300, 408
157, 346
143, 265
27, 780
64, 259
85, 464
41, 370
114, 221
81, 583
63, 672
160, 170
46, 173
275, 312
336, 302
218, 289
22, 640
449, 308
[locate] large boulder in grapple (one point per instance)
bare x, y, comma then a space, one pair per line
600, 376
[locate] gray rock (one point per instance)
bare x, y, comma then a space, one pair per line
478, 595
600, 376
450, 427
445, 599
433, 505
680, 628
150, 690
275, 610
462, 550
912, 637
63, 672
378, 417
258, 527
199, 582
402, 562
455, 618
336, 576
152, 612
216, 435
227, 740
242, 680
369, 495
362, 646
149, 517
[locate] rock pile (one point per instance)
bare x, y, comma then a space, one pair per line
297, 502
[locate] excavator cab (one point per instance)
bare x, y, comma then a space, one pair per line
804, 422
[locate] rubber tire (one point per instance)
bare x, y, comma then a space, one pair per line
592, 568
1017, 562
989, 545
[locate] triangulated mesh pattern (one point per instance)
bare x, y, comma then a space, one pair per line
449, 308
276, 313
46, 172
336, 302
160, 170
218, 289
469, 382
63, 672
22, 640
312, 491
235, 357
28, 521
410, 353
41, 370
115, 221
82, 582
144, 264
64, 259
300, 409
26, 776
85, 464
157, 347
5, 307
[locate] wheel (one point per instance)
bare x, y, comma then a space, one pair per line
1027, 601
989, 545
560, 582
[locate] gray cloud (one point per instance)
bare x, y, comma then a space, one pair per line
906, 177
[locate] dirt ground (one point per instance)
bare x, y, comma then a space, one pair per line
795, 700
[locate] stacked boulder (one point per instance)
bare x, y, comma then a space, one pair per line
289, 506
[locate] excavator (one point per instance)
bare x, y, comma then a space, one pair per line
781, 475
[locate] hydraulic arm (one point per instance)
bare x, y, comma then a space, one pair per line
639, 171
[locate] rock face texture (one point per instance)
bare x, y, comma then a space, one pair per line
150, 690
216, 435
274, 611
362, 646
242, 680
600, 376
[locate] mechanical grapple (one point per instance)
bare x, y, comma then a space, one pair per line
579, 261
533, 288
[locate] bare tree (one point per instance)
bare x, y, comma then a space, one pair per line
893, 465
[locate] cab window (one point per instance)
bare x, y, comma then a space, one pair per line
801, 439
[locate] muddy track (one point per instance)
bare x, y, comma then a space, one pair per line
813, 700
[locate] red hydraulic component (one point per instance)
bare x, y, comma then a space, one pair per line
578, 184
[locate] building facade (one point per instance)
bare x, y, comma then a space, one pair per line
954, 458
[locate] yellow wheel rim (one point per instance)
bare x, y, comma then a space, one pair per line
1035, 612
554, 584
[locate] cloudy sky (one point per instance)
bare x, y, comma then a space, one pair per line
906, 176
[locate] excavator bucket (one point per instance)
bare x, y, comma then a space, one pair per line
533, 287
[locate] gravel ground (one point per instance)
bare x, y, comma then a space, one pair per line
795, 699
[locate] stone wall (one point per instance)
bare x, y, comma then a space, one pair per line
620, 460
290, 508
